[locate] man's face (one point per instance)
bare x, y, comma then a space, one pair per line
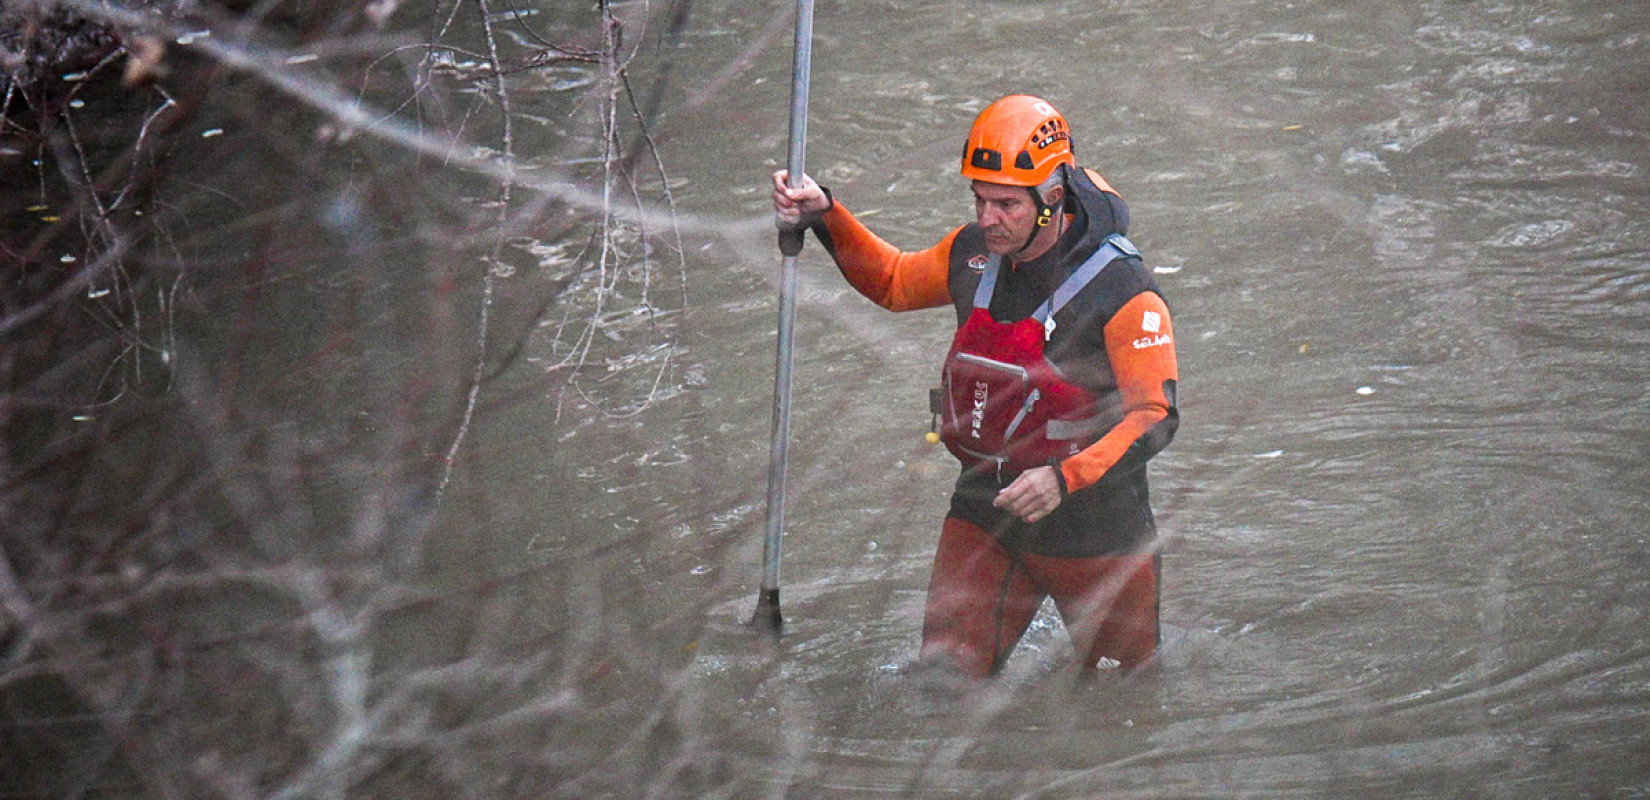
1006, 215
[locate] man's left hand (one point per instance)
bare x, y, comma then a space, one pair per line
1032, 496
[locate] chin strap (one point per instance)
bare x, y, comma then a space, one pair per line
1045, 215
1045, 212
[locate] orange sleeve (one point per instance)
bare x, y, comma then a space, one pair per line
891, 278
1140, 345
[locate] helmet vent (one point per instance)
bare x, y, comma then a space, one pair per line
986, 158
1023, 161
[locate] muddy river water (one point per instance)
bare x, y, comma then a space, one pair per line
1407, 247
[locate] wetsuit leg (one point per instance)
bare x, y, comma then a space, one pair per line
980, 600
1108, 603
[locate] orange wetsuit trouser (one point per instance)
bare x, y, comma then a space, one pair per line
982, 597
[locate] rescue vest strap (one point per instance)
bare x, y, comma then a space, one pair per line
1116, 246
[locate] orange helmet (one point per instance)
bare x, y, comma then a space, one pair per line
1019, 141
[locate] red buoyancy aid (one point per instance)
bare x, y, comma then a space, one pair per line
1006, 406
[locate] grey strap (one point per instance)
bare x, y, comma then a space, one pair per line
1116, 246
988, 282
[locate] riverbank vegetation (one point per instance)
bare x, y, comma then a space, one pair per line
262, 266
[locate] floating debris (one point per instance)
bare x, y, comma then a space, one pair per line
67, 258
1273, 454
302, 59
1293, 127
94, 294
1166, 269
189, 38
1366, 390
211, 133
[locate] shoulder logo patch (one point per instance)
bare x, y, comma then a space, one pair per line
1151, 323
977, 263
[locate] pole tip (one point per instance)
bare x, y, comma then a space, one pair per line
767, 618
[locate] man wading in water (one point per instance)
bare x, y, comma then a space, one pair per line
1060, 384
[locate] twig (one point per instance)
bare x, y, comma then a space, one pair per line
489, 279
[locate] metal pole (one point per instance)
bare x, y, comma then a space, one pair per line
767, 615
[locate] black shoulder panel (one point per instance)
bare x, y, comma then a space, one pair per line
1116, 286
966, 264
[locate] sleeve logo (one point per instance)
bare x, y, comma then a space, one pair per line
1152, 322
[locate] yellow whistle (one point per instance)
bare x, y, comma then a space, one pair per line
931, 437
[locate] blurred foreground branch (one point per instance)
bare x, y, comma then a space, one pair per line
263, 263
